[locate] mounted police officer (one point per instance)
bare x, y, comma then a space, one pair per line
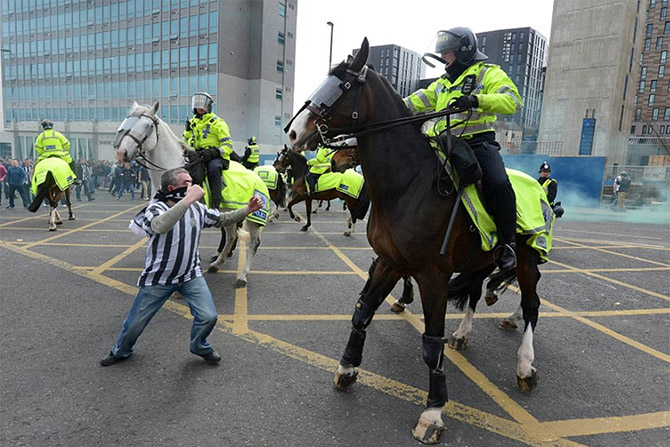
550, 187
317, 166
51, 143
210, 137
251, 154
484, 90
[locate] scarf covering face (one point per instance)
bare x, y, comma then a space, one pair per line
455, 69
175, 195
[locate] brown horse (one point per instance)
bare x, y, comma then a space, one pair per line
50, 190
298, 164
411, 210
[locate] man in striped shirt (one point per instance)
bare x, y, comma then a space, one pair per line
173, 221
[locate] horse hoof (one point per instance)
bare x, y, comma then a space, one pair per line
428, 432
304, 228
347, 233
528, 384
397, 307
213, 258
240, 284
71, 218
60, 222
52, 229
212, 269
344, 381
491, 298
458, 344
296, 218
507, 325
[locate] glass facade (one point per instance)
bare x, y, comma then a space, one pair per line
70, 60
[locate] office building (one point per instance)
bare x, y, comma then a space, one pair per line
591, 77
403, 68
83, 63
650, 130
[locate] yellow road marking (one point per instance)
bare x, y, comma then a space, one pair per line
105, 265
614, 424
623, 255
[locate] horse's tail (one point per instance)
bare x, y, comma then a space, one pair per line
363, 205
467, 285
42, 192
501, 280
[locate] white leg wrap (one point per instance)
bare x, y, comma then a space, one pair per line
466, 325
526, 355
346, 370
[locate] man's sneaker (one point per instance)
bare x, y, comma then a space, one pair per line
111, 359
212, 357
504, 257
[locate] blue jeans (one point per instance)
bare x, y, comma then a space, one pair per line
151, 298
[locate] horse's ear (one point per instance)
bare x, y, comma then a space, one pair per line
362, 56
134, 106
154, 109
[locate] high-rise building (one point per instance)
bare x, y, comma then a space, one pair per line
650, 130
591, 77
403, 68
82, 64
522, 53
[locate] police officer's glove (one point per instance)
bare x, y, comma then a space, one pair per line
209, 154
187, 127
465, 102
192, 156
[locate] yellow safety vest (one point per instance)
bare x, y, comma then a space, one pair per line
52, 143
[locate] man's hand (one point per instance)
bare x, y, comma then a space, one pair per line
465, 102
254, 204
209, 154
193, 194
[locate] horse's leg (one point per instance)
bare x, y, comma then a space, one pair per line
52, 217
274, 212
512, 322
69, 205
289, 207
466, 285
231, 237
327, 206
433, 286
252, 248
407, 295
351, 222
308, 208
219, 249
379, 284
528, 275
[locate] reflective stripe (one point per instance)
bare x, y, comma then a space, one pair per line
424, 99
410, 106
507, 91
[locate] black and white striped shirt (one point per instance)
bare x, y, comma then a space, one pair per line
173, 257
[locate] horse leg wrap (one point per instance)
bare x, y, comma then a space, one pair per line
433, 355
353, 353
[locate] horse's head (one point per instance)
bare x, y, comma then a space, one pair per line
346, 157
339, 104
281, 162
138, 133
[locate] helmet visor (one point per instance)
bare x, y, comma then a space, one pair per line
446, 42
200, 101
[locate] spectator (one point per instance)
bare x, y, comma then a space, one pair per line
16, 180
145, 183
3, 176
622, 188
128, 177
84, 172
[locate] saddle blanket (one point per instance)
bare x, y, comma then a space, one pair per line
60, 170
349, 182
534, 216
241, 184
269, 175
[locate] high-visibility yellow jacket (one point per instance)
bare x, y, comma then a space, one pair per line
550, 187
321, 163
495, 92
210, 131
52, 143
252, 153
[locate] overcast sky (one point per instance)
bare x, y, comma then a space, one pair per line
410, 24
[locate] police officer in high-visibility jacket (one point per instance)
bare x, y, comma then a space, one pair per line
484, 90
550, 185
251, 154
51, 143
210, 137
317, 166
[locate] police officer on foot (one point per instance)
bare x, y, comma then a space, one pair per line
210, 137
51, 143
550, 187
483, 90
251, 154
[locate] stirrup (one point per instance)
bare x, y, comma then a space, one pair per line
504, 256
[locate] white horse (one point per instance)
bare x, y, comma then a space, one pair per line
145, 136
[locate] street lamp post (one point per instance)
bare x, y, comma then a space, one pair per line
330, 56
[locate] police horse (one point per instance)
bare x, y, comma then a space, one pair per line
144, 136
358, 208
51, 179
409, 219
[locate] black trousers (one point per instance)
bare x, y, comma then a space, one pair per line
498, 192
213, 169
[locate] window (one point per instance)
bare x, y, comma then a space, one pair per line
654, 114
647, 43
659, 43
661, 71
638, 114
664, 55
281, 38
664, 13
652, 87
641, 89
644, 130
666, 114
282, 9
278, 93
652, 97
666, 29
632, 130
650, 30
280, 66
643, 73
277, 120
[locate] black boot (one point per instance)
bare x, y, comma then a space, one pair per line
504, 256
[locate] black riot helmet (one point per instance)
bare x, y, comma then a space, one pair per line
462, 41
202, 100
47, 124
251, 140
544, 167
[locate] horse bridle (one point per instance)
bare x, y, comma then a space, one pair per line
126, 130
